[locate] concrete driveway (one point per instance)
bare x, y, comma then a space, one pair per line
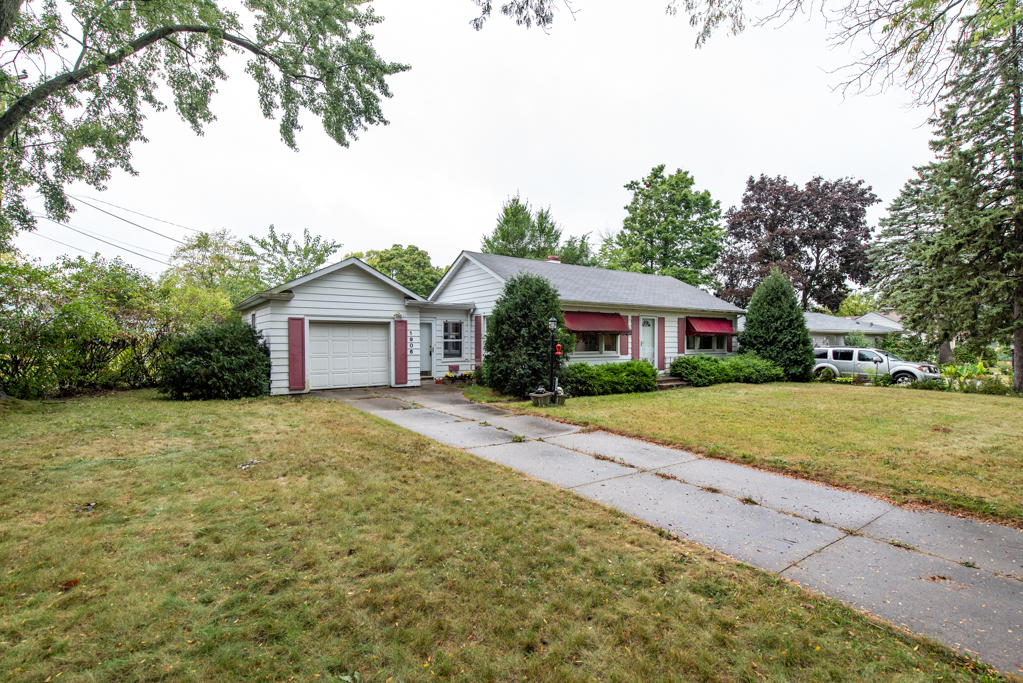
955, 579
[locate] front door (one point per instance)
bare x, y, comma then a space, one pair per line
646, 340
426, 349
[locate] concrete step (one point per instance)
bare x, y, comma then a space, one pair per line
668, 383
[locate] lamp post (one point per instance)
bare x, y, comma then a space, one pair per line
553, 325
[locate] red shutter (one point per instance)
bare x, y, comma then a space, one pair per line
729, 343
637, 334
296, 354
682, 335
623, 344
401, 351
660, 343
479, 337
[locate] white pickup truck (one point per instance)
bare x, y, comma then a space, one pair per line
846, 361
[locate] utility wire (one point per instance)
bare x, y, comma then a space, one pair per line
131, 223
64, 225
99, 235
93, 199
89, 253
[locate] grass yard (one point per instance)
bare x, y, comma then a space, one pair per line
283, 539
956, 452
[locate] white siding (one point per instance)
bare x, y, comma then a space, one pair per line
467, 361
346, 295
471, 284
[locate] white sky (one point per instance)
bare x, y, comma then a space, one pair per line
565, 119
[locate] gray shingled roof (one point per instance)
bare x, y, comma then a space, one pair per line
582, 284
822, 322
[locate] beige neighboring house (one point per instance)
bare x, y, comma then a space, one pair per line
830, 330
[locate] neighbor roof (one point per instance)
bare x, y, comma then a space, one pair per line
587, 285
822, 322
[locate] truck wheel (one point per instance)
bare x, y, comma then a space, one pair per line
904, 378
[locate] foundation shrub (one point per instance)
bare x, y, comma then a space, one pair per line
581, 379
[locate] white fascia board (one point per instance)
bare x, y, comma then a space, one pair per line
344, 264
455, 266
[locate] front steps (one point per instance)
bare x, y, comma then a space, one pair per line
669, 383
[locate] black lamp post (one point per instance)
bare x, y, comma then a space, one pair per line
553, 325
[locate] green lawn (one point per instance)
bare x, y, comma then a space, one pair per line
957, 452
135, 548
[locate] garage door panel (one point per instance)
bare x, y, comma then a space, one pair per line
348, 355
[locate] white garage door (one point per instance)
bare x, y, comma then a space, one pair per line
347, 355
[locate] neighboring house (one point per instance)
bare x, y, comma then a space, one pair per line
615, 315
348, 325
830, 330
888, 319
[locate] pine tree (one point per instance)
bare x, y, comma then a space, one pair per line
776, 329
950, 255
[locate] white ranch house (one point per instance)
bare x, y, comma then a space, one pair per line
348, 325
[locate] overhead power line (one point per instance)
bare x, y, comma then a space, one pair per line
64, 225
69, 246
131, 222
122, 243
137, 213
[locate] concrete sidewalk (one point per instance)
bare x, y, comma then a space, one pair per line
956, 579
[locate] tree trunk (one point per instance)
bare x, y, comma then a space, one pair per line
1017, 219
945, 353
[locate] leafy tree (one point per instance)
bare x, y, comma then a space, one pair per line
776, 329
671, 230
410, 266
277, 260
856, 338
817, 235
79, 74
577, 251
908, 347
214, 261
517, 358
857, 305
950, 253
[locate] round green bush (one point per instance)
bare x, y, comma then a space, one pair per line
582, 379
225, 361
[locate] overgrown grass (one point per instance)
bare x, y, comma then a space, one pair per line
136, 548
949, 451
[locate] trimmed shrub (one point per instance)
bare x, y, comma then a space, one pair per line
748, 368
517, 359
856, 338
826, 375
776, 329
581, 379
700, 371
930, 385
225, 361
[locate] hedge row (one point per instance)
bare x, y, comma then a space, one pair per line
581, 379
702, 371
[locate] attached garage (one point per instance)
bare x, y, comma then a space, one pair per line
341, 327
343, 355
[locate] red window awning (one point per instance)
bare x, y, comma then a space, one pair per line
708, 326
605, 323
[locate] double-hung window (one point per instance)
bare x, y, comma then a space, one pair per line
452, 339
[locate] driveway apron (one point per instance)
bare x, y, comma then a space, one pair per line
957, 580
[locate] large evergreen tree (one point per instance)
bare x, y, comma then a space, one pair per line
950, 254
776, 329
517, 358
671, 230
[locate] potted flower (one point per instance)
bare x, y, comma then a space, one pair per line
541, 397
467, 377
448, 378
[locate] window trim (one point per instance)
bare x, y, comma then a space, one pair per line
601, 351
460, 340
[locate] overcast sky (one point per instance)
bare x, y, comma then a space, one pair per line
564, 118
